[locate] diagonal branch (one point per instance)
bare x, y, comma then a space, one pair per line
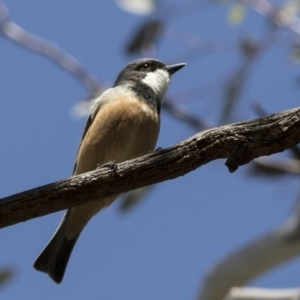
16, 33
239, 143
253, 259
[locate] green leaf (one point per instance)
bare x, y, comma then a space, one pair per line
236, 14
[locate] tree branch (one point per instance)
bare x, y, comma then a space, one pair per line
239, 143
263, 294
48, 49
253, 259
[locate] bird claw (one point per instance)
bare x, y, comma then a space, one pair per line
112, 165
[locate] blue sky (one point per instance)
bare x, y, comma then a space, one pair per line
164, 247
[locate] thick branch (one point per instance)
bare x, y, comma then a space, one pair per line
239, 143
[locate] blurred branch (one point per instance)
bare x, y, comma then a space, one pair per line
70, 64
263, 294
278, 15
6, 275
239, 143
25, 39
273, 248
145, 37
275, 167
180, 113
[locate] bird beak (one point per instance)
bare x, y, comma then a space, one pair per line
171, 69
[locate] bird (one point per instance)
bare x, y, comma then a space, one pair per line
124, 124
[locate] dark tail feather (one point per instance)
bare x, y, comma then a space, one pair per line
54, 258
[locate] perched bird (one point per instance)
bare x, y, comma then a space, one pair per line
123, 124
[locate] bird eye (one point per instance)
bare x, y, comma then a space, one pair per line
145, 67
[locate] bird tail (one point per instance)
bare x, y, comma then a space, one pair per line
54, 258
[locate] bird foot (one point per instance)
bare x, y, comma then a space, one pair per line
110, 165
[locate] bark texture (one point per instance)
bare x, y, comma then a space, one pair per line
239, 143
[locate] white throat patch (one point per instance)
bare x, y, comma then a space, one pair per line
159, 81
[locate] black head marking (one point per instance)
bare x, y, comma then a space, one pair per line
148, 95
138, 69
133, 74
148, 78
